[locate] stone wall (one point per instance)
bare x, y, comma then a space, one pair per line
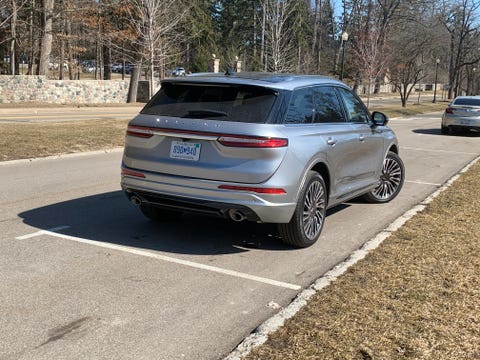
37, 89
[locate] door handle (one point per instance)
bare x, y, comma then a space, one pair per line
331, 141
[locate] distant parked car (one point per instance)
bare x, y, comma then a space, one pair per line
179, 71
463, 113
116, 68
128, 68
88, 66
259, 147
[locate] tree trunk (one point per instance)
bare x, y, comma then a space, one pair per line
263, 59
133, 88
13, 28
107, 60
47, 37
31, 36
71, 64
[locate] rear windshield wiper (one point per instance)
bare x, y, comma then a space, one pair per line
205, 113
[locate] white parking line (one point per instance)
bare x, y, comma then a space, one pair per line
436, 150
42, 232
135, 251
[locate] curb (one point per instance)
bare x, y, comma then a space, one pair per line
260, 334
61, 156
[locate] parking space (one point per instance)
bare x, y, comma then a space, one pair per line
70, 296
84, 275
148, 254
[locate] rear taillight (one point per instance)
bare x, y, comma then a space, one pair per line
449, 110
133, 173
259, 190
139, 131
224, 139
250, 141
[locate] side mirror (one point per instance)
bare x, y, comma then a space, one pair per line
379, 119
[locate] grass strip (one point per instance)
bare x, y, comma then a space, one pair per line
393, 111
31, 140
414, 297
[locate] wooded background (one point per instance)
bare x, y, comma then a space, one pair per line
402, 42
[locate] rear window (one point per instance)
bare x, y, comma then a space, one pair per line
466, 101
242, 103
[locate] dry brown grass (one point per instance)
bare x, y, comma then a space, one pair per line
412, 109
416, 297
29, 140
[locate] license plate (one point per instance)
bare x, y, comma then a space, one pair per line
465, 122
185, 151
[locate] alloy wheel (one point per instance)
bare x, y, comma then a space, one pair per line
314, 210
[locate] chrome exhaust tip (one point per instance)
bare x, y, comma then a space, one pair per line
236, 215
135, 200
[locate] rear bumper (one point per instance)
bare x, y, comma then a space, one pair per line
465, 128
465, 123
204, 196
191, 205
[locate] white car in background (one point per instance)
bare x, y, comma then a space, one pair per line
463, 113
179, 71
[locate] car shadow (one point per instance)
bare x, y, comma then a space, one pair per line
438, 132
110, 218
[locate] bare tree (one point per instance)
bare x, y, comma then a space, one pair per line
407, 65
369, 57
11, 10
460, 20
280, 48
154, 22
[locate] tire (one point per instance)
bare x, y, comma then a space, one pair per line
157, 214
390, 182
307, 221
445, 130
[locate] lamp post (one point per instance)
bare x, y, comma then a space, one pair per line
344, 40
436, 75
474, 90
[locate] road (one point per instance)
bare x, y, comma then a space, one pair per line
68, 113
83, 275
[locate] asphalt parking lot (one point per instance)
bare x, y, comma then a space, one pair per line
84, 275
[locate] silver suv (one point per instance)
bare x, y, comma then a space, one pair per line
261, 147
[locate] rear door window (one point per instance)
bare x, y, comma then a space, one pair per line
240, 103
327, 105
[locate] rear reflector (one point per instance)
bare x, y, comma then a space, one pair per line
133, 173
271, 191
255, 142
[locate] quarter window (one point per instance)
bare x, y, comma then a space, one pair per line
327, 106
301, 108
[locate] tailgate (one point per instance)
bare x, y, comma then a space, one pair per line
206, 149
